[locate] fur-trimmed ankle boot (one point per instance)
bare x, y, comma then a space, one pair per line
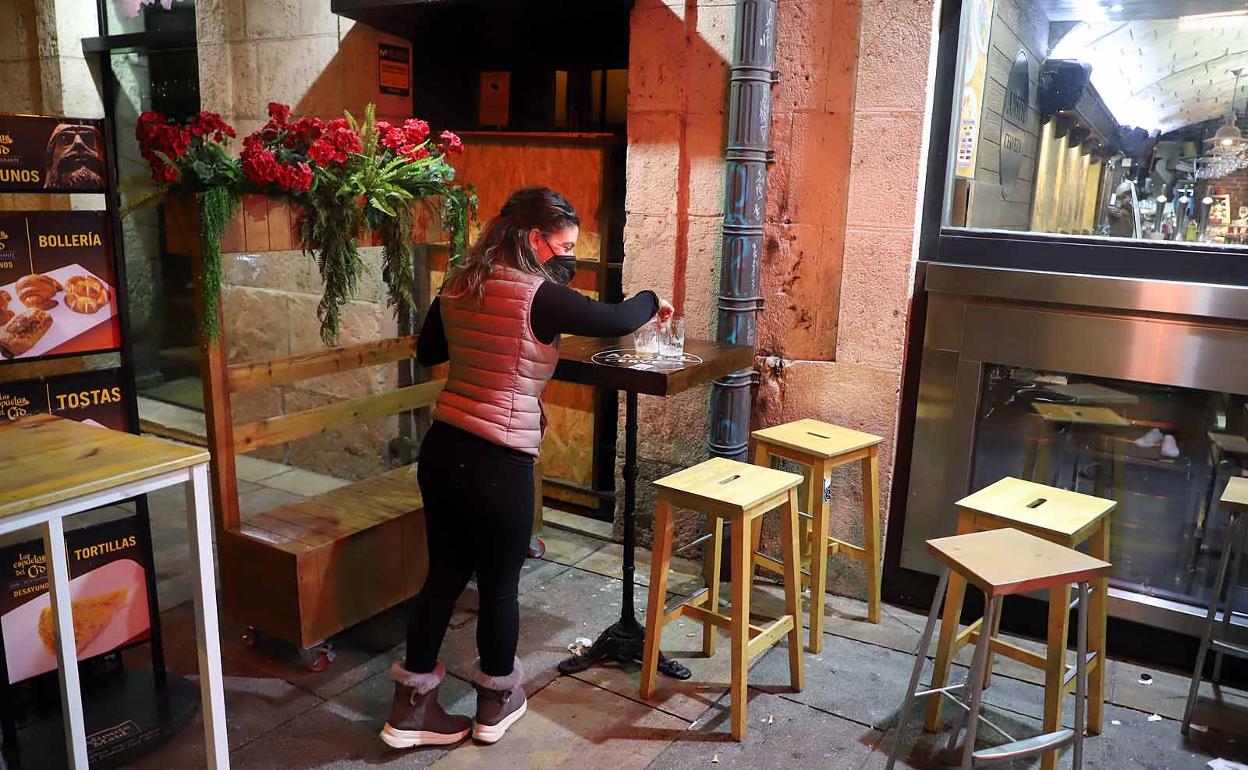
416, 717
500, 702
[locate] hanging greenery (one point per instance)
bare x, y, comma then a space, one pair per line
343, 177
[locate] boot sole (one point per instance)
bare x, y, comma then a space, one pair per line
406, 739
493, 733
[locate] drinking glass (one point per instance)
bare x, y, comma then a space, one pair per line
646, 340
672, 339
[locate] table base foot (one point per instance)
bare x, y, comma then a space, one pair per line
621, 642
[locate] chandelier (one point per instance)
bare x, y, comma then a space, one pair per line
1228, 151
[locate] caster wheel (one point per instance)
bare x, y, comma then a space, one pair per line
537, 548
251, 637
318, 662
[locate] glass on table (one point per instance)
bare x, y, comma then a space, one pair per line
672, 339
646, 340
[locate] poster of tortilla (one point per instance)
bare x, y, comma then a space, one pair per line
51, 154
108, 589
95, 398
58, 292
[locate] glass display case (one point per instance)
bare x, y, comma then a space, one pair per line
1163, 453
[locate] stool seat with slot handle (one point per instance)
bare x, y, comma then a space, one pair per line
1002, 562
1059, 516
1216, 634
819, 447
724, 489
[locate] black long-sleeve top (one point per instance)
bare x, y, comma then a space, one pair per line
556, 310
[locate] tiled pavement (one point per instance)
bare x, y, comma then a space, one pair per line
283, 716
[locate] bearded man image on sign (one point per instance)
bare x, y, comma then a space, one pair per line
74, 160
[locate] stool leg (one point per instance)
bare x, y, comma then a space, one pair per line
1210, 621
713, 562
996, 631
948, 633
1228, 612
1097, 617
975, 681
920, 657
762, 457
871, 528
1081, 679
742, 565
790, 550
660, 559
1055, 666
818, 554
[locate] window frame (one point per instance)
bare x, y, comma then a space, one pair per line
1157, 260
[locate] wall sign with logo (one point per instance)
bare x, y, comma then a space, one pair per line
394, 69
48, 154
96, 397
58, 284
1014, 119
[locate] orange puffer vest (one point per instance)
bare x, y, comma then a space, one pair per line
498, 368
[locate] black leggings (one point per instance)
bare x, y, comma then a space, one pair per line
479, 517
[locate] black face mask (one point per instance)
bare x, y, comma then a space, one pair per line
562, 267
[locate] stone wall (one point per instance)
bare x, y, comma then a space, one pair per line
848, 123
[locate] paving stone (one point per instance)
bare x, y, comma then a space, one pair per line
781, 734
571, 724
342, 732
1167, 695
688, 699
553, 614
568, 548
302, 482
684, 579
254, 708
555, 518
255, 469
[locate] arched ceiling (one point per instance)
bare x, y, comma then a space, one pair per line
1163, 73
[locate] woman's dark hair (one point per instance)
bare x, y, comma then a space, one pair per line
505, 239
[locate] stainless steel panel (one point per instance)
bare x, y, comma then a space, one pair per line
1168, 297
943, 330
926, 496
1154, 350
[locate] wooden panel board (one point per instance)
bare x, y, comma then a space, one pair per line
259, 586
568, 447
310, 422
280, 371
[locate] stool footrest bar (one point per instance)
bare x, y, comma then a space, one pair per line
1025, 747
940, 690
983, 719
1231, 648
1071, 671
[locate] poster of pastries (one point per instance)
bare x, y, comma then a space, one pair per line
108, 586
52, 154
58, 292
96, 397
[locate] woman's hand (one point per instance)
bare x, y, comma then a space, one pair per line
666, 311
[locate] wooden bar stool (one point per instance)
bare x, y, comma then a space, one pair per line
1059, 516
1216, 635
820, 447
741, 494
1001, 562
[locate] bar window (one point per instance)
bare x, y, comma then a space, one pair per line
1114, 120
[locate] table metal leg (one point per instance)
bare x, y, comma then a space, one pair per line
211, 684
66, 648
1228, 612
624, 640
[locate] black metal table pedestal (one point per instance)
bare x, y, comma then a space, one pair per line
624, 640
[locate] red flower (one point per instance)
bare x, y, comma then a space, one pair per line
259, 166
392, 138
416, 130
322, 153
450, 144
279, 112
414, 151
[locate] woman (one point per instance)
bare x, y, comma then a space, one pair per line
497, 320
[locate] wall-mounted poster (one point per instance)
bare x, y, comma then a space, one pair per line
108, 589
58, 292
394, 69
976, 30
51, 154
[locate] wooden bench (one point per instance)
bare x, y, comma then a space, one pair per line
306, 570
